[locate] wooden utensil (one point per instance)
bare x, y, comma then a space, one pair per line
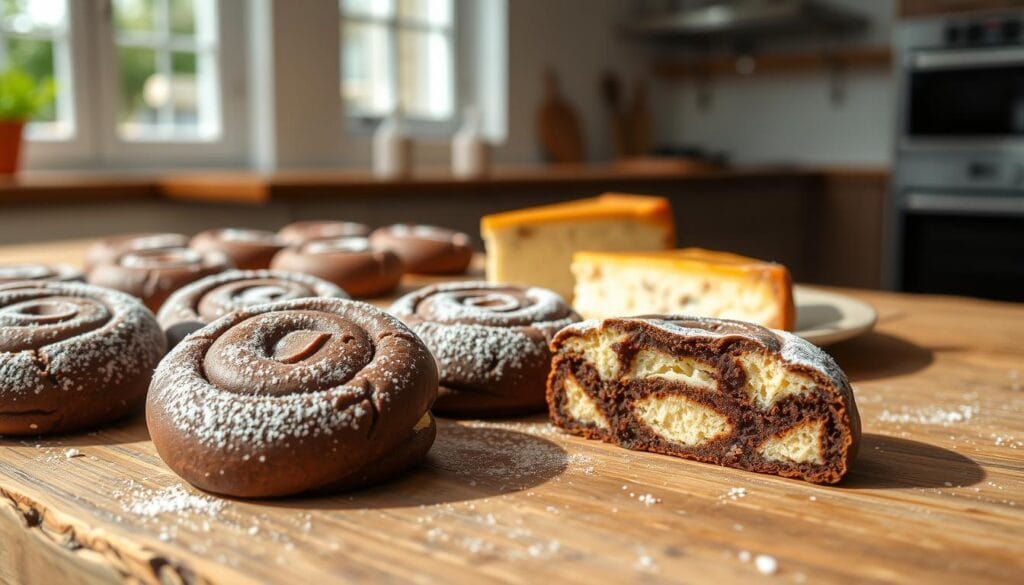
558, 125
611, 93
640, 122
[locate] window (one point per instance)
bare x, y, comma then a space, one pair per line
34, 38
166, 55
398, 52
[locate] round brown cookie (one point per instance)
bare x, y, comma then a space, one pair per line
34, 271
152, 275
296, 396
301, 232
72, 356
425, 249
490, 341
196, 304
347, 262
247, 249
107, 250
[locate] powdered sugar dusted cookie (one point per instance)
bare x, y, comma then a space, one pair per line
490, 341
295, 396
72, 356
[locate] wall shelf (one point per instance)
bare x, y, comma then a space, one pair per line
715, 66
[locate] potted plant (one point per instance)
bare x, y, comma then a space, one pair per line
21, 97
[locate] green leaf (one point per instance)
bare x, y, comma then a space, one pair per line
21, 96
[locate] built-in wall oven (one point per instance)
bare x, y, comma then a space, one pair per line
957, 221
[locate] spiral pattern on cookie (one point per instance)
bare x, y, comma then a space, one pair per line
247, 249
72, 356
206, 299
108, 249
153, 274
426, 249
36, 271
301, 232
288, 397
490, 342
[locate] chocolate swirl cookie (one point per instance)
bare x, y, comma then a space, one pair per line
713, 390
490, 341
425, 249
107, 250
34, 271
350, 263
72, 356
296, 396
196, 304
153, 274
301, 232
246, 249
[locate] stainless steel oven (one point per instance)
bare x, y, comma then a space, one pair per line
973, 93
957, 213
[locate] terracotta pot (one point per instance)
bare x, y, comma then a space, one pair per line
10, 145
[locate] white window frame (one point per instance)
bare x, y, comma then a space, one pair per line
97, 143
360, 123
64, 99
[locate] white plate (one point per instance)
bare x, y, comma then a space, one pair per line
824, 317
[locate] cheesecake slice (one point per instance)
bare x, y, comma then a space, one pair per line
712, 390
534, 246
690, 281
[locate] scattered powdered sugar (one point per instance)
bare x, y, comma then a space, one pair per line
766, 564
930, 415
734, 494
644, 561
648, 499
72, 453
744, 556
169, 500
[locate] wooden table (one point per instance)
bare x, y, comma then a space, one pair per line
937, 494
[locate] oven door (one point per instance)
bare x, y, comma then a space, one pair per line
966, 93
964, 244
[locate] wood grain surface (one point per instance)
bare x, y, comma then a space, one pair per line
936, 496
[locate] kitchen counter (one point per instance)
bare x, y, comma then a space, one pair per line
251, 187
936, 495
824, 223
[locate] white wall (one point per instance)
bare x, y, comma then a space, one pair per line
791, 118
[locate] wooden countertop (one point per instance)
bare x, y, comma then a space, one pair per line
937, 494
254, 188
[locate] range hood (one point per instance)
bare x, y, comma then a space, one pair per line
729, 19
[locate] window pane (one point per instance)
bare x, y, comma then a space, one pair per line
365, 68
168, 92
183, 91
35, 57
425, 74
33, 15
141, 89
182, 17
134, 15
368, 8
432, 12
